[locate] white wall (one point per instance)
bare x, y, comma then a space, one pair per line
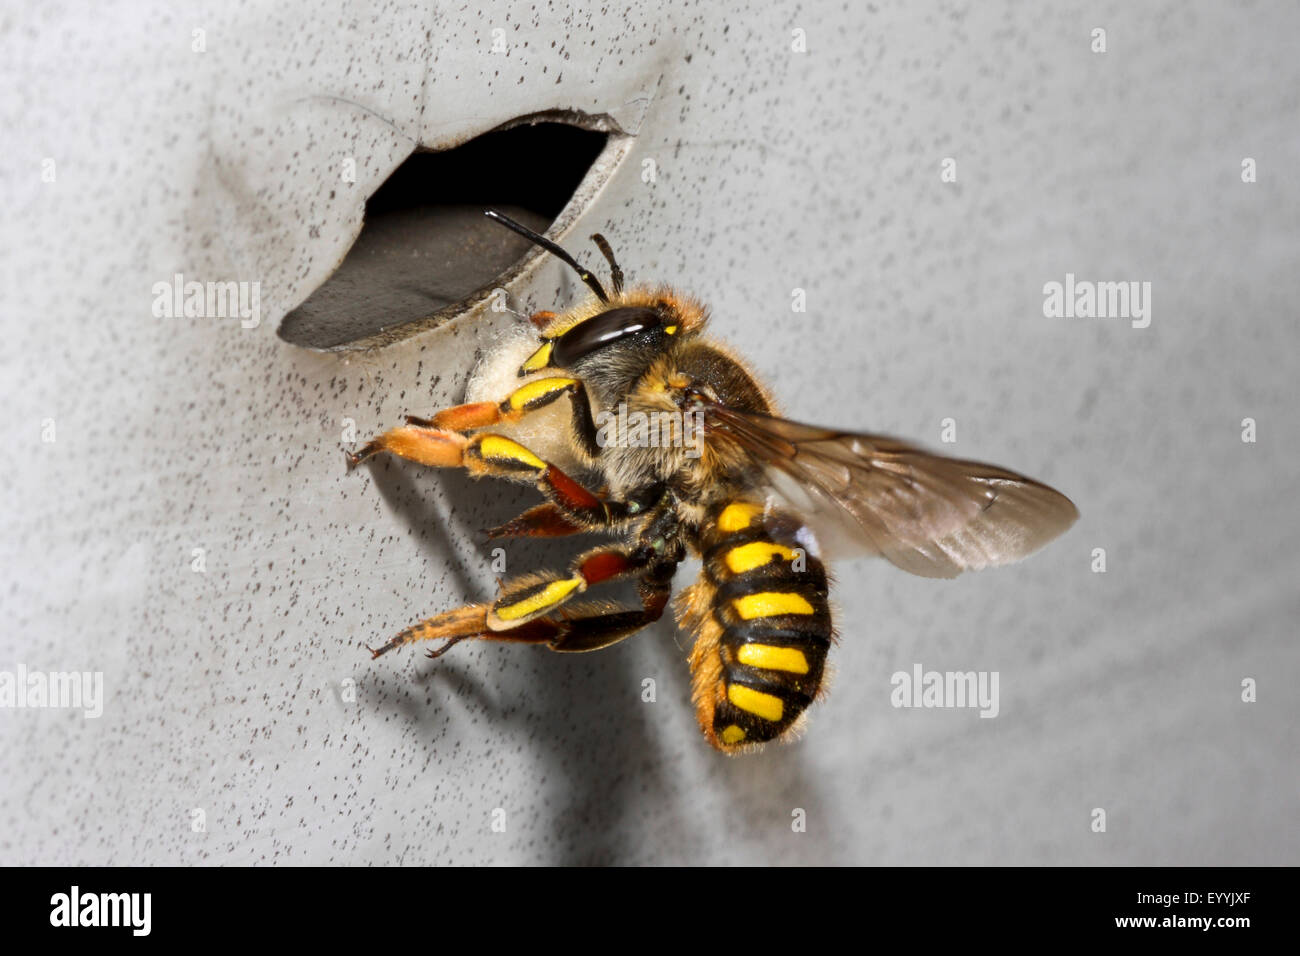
775, 170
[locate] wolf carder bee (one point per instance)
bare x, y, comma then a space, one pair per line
760, 499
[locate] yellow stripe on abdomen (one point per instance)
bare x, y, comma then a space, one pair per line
770, 604
736, 517
747, 557
772, 658
756, 702
733, 735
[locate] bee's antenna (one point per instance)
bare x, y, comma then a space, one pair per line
615, 273
591, 282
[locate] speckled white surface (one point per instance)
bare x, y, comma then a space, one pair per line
227, 691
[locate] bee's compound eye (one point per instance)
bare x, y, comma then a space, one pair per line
616, 325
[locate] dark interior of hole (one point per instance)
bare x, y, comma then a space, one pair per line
531, 167
426, 246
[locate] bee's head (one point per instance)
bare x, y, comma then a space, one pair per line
627, 330
608, 338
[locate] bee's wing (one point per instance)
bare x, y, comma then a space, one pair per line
927, 514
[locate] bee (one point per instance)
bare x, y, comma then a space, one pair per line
763, 501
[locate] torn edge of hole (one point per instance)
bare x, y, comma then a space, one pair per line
594, 122
601, 172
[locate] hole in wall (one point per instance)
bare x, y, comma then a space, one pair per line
426, 252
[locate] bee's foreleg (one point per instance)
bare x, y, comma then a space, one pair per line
526, 399
488, 454
432, 440
428, 446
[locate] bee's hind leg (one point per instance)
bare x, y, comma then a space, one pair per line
592, 627
528, 609
464, 623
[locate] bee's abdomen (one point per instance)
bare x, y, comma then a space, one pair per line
762, 626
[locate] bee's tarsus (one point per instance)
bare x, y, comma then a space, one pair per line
451, 642
367, 451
